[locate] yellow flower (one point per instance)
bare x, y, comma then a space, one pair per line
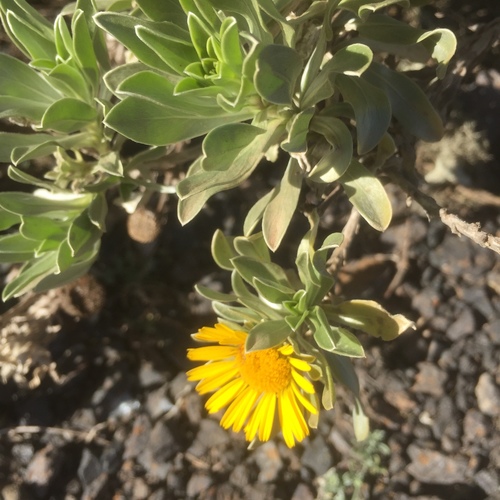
251, 385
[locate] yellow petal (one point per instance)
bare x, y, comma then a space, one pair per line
224, 395
213, 383
292, 421
303, 383
209, 370
211, 353
300, 364
239, 410
306, 403
266, 425
221, 334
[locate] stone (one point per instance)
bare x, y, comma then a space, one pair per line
488, 480
269, 462
432, 467
211, 434
157, 402
90, 467
317, 456
430, 379
303, 492
464, 325
149, 376
139, 437
197, 484
475, 426
488, 395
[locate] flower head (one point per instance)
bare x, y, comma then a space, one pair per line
253, 384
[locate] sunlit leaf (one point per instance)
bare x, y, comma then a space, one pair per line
267, 335
281, 208
368, 195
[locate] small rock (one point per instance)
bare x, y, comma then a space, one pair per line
489, 482
197, 484
317, 456
303, 492
139, 437
240, 476
23, 453
269, 461
90, 467
179, 386
43, 469
429, 380
433, 467
163, 443
141, 489
464, 325
149, 376
193, 406
157, 402
475, 426
211, 434
488, 395
94, 490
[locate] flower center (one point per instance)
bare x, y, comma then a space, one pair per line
264, 371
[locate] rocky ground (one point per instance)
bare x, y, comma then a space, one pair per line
95, 402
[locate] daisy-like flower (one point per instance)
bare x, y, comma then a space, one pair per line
252, 385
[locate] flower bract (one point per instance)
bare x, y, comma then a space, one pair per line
254, 387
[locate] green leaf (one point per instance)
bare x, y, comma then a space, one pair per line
252, 246
30, 275
36, 44
278, 68
200, 186
11, 140
44, 203
68, 115
267, 335
343, 371
280, 210
369, 317
42, 228
213, 295
352, 60
82, 234
368, 195
371, 109
296, 141
235, 313
248, 299
255, 214
166, 10
98, 210
16, 248
336, 161
83, 47
322, 329
230, 44
360, 422
7, 219
273, 292
158, 125
223, 250
78, 268
25, 109
223, 145
177, 53
122, 27
70, 82
363, 8
409, 104
249, 269
17, 79
64, 257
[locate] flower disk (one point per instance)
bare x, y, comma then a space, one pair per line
252, 385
